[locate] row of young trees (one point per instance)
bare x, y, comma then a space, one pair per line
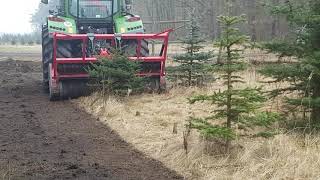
231, 107
234, 107
20, 39
237, 107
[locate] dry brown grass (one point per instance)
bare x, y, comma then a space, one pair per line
287, 156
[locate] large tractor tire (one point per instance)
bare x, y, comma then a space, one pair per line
47, 53
64, 50
65, 89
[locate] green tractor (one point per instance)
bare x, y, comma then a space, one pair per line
91, 18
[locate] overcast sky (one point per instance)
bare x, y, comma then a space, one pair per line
15, 15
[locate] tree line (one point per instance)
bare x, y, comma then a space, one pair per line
20, 39
164, 14
261, 26
37, 19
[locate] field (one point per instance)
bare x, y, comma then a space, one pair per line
131, 138
25, 53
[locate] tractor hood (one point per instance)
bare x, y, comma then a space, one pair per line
129, 24
62, 25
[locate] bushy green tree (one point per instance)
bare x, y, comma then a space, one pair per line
303, 43
117, 75
232, 106
192, 66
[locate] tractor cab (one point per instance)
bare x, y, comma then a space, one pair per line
90, 8
85, 9
94, 16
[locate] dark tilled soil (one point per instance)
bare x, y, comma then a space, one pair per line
55, 140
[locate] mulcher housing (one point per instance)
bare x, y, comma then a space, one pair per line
81, 30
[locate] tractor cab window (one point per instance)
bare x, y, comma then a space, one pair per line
92, 8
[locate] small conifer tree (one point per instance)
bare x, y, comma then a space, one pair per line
192, 65
303, 43
231, 105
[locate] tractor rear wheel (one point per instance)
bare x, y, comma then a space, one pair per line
64, 50
47, 51
65, 88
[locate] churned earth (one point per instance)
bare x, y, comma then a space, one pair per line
56, 140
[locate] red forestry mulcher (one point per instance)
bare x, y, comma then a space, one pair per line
67, 76
78, 31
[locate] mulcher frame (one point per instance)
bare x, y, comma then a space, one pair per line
56, 77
